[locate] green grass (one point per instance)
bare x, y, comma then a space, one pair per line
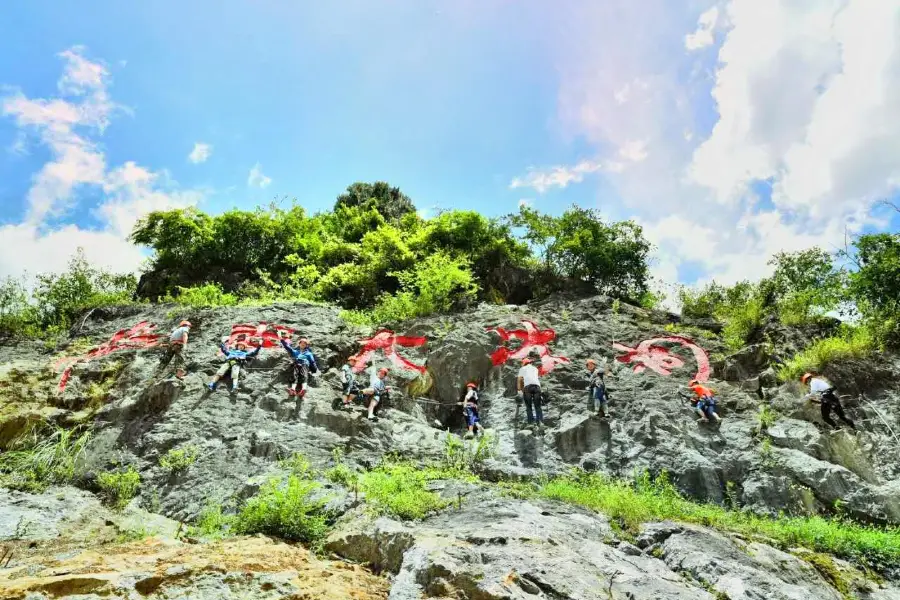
298, 465
213, 522
851, 342
284, 508
119, 487
767, 417
629, 504
742, 321
178, 460
36, 461
399, 489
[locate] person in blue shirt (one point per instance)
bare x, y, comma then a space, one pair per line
234, 360
304, 363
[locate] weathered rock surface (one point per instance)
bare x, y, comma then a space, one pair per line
497, 548
241, 569
791, 463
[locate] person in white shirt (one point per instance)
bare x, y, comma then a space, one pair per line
178, 340
348, 382
528, 384
821, 391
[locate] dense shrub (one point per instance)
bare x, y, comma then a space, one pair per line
285, 508
119, 487
58, 299
373, 253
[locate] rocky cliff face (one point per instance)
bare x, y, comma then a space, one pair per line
494, 547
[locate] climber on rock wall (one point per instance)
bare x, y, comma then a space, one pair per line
304, 363
348, 382
598, 397
528, 385
470, 410
821, 392
704, 402
178, 340
377, 389
234, 361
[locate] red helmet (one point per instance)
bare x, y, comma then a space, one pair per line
806, 377
472, 385
185, 324
382, 372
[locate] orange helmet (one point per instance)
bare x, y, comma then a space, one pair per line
806, 377
185, 324
472, 385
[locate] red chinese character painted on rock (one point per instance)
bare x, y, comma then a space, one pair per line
269, 335
649, 354
387, 341
141, 335
533, 339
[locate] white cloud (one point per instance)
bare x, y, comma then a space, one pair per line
807, 99
541, 180
809, 96
634, 151
200, 153
703, 36
257, 178
67, 126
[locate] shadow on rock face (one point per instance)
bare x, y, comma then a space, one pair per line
142, 413
577, 437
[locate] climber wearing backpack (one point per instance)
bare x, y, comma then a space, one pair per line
304, 363
598, 398
470, 410
377, 389
528, 384
234, 361
821, 391
704, 402
348, 382
178, 340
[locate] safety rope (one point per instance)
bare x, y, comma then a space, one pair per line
889, 428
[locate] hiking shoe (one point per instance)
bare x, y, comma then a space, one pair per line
292, 392
469, 435
211, 387
373, 419
301, 393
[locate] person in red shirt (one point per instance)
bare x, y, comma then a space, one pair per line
704, 402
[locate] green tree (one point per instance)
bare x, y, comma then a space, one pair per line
876, 282
496, 257
389, 201
579, 246
59, 298
805, 284
16, 312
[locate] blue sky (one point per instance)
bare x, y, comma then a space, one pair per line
711, 123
